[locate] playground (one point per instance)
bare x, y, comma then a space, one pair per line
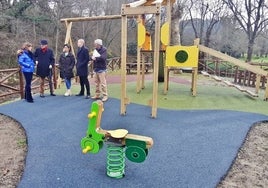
192, 147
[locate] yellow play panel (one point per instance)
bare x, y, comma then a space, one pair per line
182, 56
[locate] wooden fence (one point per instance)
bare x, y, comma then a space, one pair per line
240, 76
12, 81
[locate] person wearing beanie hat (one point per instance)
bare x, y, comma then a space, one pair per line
82, 68
45, 61
43, 42
99, 58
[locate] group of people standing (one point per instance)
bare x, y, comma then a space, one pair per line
43, 59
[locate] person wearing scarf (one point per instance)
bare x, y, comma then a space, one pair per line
45, 61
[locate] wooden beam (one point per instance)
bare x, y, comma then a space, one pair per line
235, 61
68, 38
166, 69
257, 83
123, 64
143, 71
165, 2
156, 63
266, 92
80, 19
137, 3
139, 46
150, 2
138, 85
194, 80
125, 10
68, 31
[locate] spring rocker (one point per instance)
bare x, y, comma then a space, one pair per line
120, 143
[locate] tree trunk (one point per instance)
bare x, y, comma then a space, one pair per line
250, 50
175, 32
57, 41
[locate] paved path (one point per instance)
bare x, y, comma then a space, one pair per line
192, 148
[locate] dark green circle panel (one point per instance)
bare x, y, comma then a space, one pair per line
181, 56
135, 154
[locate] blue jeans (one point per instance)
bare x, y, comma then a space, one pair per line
68, 83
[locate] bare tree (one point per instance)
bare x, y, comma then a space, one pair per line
204, 16
184, 22
252, 18
216, 11
230, 39
4, 5
57, 9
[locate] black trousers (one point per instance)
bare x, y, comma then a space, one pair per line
28, 80
84, 83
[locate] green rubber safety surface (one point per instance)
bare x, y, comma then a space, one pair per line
181, 56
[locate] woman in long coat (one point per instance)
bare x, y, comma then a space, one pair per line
66, 65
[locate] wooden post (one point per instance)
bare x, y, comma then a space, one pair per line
194, 80
194, 72
68, 31
166, 69
68, 39
21, 84
156, 60
236, 74
266, 90
257, 84
123, 63
54, 77
166, 79
138, 86
143, 72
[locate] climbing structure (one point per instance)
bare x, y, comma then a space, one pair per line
187, 56
139, 8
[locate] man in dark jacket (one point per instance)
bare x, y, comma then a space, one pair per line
45, 60
99, 58
82, 68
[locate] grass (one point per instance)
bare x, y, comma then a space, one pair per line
212, 96
257, 59
22, 142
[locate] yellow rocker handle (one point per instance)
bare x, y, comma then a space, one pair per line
86, 149
91, 115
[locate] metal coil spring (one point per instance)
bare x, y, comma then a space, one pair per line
115, 161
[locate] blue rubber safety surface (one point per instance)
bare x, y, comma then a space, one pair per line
192, 148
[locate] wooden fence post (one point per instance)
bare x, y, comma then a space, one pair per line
21, 84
